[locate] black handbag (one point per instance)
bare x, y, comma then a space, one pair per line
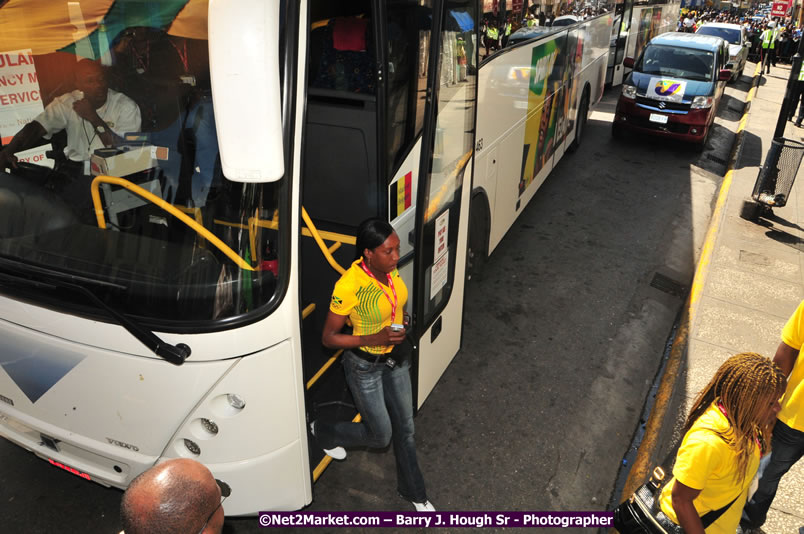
641, 514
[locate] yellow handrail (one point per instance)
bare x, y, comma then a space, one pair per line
323, 369
309, 222
323, 464
168, 207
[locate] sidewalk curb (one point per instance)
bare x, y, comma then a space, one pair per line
642, 464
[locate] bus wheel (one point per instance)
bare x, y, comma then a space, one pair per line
580, 122
476, 254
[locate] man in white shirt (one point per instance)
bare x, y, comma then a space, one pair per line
93, 116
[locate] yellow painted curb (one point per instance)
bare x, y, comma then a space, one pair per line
642, 464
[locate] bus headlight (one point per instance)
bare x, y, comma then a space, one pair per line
702, 102
236, 401
629, 91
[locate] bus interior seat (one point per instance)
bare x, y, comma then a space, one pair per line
341, 119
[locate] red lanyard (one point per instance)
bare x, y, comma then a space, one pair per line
390, 284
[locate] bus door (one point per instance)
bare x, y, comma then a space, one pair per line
442, 206
619, 39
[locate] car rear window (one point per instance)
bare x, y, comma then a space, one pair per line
730, 34
685, 63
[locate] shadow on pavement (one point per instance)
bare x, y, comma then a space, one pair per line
751, 155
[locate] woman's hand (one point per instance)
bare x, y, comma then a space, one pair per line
682, 497
389, 336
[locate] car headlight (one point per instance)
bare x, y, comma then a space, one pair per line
702, 102
629, 91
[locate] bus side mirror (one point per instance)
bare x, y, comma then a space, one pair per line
629, 62
244, 70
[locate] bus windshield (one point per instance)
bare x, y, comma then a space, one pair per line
122, 89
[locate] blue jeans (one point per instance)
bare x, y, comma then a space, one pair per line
384, 398
787, 447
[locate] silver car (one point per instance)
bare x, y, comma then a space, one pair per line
739, 45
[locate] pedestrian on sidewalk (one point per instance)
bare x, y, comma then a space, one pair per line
768, 39
725, 436
798, 94
787, 444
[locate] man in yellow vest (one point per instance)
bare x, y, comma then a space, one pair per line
768, 40
492, 34
787, 443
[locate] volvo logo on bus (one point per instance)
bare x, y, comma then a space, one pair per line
122, 444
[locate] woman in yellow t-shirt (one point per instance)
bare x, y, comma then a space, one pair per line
373, 296
726, 432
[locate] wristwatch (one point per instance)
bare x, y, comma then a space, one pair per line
100, 129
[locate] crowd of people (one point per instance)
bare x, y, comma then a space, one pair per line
772, 38
494, 34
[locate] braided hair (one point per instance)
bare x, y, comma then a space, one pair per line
746, 385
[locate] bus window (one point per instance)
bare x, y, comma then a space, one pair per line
452, 146
126, 94
408, 36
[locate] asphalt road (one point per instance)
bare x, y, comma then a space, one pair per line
563, 336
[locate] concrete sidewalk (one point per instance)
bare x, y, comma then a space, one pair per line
754, 282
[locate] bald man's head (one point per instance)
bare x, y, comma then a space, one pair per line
174, 497
91, 80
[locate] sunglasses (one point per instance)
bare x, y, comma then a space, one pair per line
225, 492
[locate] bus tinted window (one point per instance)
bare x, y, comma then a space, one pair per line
125, 93
408, 53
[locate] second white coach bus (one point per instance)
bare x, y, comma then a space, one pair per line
164, 297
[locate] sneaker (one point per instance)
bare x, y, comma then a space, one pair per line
336, 453
425, 506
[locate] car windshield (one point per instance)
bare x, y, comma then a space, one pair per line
732, 35
131, 100
526, 34
686, 63
569, 21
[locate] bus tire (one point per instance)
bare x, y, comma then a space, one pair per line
477, 242
580, 121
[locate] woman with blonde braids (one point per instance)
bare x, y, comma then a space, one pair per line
725, 434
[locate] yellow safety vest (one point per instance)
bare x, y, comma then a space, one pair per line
493, 33
768, 39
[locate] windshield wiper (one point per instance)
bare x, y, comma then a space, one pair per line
175, 354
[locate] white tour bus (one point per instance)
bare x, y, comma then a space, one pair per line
635, 23
164, 297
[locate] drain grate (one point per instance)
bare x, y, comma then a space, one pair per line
716, 159
668, 285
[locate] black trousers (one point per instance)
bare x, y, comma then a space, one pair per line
798, 96
768, 58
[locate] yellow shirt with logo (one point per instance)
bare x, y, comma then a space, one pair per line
361, 297
708, 463
792, 413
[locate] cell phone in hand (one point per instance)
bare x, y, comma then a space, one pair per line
396, 327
